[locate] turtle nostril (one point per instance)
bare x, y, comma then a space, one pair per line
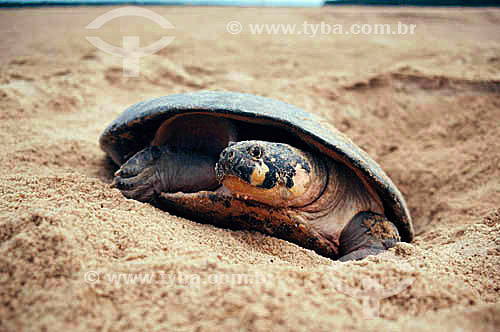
230, 155
155, 152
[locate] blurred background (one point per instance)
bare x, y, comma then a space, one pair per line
254, 3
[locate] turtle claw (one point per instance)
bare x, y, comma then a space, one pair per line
139, 161
126, 171
127, 183
136, 177
139, 187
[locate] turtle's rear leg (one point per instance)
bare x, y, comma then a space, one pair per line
367, 234
156, 169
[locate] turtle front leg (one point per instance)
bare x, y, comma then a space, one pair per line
156, 169
367, 234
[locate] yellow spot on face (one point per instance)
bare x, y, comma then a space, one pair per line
272, 197
259, 174
302, 181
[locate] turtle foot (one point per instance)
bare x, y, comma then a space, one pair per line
367, 234
136, 177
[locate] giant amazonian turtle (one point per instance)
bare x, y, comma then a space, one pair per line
248, 162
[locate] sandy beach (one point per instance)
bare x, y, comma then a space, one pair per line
425, 106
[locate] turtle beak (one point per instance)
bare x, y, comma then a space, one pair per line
219, 172
222, 167
232, 162
228, 158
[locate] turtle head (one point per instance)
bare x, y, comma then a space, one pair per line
275, 174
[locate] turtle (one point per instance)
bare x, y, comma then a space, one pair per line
248, 162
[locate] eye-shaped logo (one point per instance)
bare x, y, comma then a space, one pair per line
371, 291
131, 51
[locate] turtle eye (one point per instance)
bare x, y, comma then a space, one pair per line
256, 151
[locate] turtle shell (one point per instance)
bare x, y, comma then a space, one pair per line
136, 127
